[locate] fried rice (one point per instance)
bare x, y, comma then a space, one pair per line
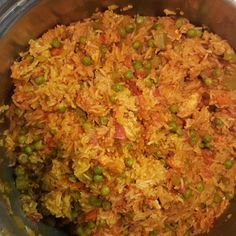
125, 125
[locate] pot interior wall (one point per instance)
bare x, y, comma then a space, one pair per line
28, 19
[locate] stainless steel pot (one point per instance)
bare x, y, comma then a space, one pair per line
25, 19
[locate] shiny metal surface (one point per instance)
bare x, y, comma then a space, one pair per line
25, 19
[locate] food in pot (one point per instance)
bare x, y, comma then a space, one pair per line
125, 125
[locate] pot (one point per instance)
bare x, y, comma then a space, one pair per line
22, 20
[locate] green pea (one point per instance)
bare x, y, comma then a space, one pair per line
105, 191
200, 187
157, 26
217, 198
137, 65
28, 150
82, 40
87, 126
180, 131
97, 178
117, 87
86, 60
155, 80
128, 74
112, 99
192, 33
147, 65
201, 145
206, 138
72, 179
129, 162
136, 44
218, 121
173, 108
173, 126
103, 49
30, 58
56, 43
230, 57
61, 108
106, 205
130, 28
22, 158
207, 81
228, 164
153, 233
122, 32
139, 20
21, 139
192, 141
192, 133
18, 112
90, 224
53, 132
21, 183
148, 83
225, 181
94, 201
40, 80
97, 170
79, 231
151, 43
19, 171
229, 196
38, 145
216, 72
179, 23
103, 120
187, 194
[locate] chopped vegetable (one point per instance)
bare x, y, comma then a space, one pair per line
129, 162
86, 60
97, 170
137, 65
105, 191
97, 178
87, 126
38, 145
61, 108
160, 41
207, 81
218, 121
187, 194
56, 43
82, 40
94, 201
200, 187
40, 80
122, 32
117, 87
192, 33
157, 26
136, 44
21, 139
173, 108
103, 120
128, 74
139, 20
151, 43
130, 28
228, 164
28, 150
217, 198
106, 205
179, 23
